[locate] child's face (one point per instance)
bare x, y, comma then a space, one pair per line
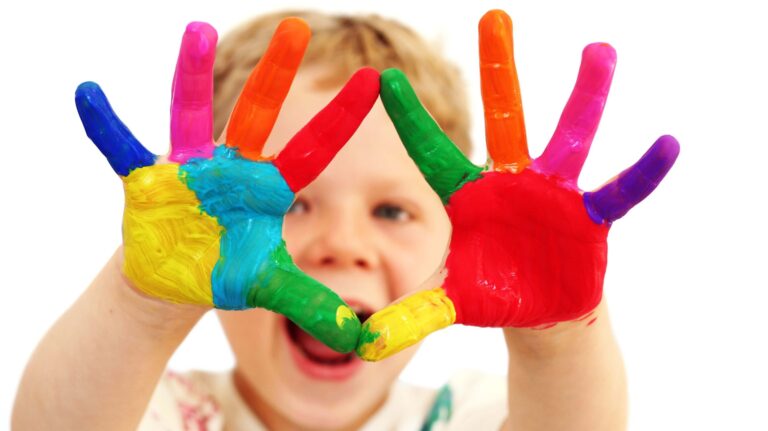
370, 228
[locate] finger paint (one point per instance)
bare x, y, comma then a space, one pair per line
443, 165
566, 152
504, 120
315, 145
523, 252
344, 315
405, 323
249, 200
209, 231
527, 248
192, 94
265, 90
123, 152
170, 245
613, 200
316, 309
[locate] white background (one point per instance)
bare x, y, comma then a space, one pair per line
686, 281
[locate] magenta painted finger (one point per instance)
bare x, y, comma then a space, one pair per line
315, 145
567, 150
613, 200
192, 95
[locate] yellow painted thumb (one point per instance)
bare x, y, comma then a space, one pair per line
405, 323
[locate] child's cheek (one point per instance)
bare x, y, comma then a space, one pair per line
297, 229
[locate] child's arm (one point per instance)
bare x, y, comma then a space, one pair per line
567, 377
97, 366
528, 249
202, 228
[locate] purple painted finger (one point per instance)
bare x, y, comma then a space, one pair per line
568, 149
611, 201
192, 95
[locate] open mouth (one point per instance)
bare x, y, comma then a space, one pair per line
316, 359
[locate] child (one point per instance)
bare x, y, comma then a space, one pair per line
370, 228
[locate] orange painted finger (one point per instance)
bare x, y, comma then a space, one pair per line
504, 122
260, 101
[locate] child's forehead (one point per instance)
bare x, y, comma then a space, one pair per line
375, 154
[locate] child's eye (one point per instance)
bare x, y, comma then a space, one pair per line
391, 212
300, 206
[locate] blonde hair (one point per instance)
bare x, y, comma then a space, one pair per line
346, 43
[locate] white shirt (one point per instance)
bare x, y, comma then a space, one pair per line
202, 401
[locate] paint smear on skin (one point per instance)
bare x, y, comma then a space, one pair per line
254, 269
343, 315
170, 245
523, 253
405, 323
367, 337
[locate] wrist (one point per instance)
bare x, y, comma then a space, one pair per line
561, 338
153, 313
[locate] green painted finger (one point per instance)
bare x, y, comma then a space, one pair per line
313, 307
443, 165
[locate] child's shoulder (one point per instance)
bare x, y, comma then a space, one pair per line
204, 400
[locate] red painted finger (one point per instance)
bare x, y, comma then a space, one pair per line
313, 147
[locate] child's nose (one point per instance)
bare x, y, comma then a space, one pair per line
344, 244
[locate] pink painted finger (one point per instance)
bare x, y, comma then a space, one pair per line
568, 149
192, 94
315, 145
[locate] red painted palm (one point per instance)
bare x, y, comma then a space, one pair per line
528, 247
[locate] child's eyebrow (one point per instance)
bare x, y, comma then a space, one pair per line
394, 184
402, 194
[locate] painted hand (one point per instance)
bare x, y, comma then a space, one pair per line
204, 225
528, 248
